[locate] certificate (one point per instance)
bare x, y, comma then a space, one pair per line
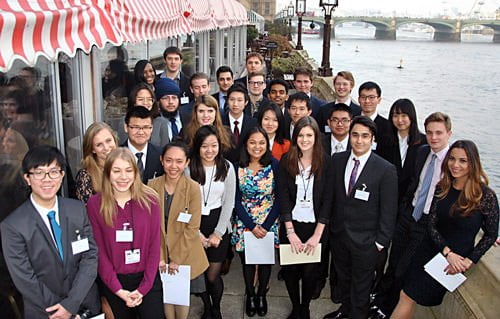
435, 268
176, 288
259, 251
287, 257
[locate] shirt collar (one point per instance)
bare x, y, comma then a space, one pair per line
44, 211
239, 119
442, 153
372, 117
134, 150
363, 158
402, 139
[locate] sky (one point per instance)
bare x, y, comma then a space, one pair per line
405, 7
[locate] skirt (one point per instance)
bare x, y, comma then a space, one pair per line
207, 227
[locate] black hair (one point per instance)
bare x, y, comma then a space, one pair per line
370, 86
223, 69
365, 121
139, 70
244, 159
237, 87
299, 96
340, 107
405, 106
177, 142
196, 167
43, 155
280, 82
172, 50
280, 132
140, 112
133, 95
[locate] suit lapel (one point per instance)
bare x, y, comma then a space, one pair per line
46, 233
364, 175
66, 237
178, 204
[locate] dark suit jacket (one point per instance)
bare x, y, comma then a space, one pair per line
420, 157
222, 108
248, 122
365, 222
327, 144
384, 135
316, 105
36, 268
153, 166
324, 113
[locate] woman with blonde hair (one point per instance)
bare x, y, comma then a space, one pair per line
206, 112
125, 218
99, 140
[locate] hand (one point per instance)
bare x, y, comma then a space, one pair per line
497, 242
162, 266
456, 264
136, 297
213, 241
259, 231
295, 243
58, 312
204, 241
173, 268
311, 244
125, 296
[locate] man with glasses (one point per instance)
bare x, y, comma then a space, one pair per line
48, 244
256, 87
338, 122
138, 126
167, 93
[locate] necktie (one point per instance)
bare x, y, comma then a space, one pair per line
56, 231
139, 162
236, 132
354, 173
422, 195
338, 148
175, 129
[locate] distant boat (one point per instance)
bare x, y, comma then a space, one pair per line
339, 43
400, 64
357, 49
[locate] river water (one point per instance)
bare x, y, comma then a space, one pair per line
460, 79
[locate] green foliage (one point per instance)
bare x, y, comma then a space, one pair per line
282, 41
287, 65
276, 27
252, 34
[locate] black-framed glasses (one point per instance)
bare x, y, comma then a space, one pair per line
140, 128
53, 174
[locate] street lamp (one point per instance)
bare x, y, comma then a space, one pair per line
328, 6
301, 9
291, 13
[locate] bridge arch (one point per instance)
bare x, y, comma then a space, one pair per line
414, 30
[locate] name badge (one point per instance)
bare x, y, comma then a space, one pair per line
100, 316
80, 246
184, 217
327, 129
306, 204
132, 256
362, 195
124, 236
184, 100
205, 211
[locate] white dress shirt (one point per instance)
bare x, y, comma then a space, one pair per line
239, 119
403, 148
343, 144
304, 184
350, 165
43, 214
135, 151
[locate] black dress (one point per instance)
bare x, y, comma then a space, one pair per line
456, 232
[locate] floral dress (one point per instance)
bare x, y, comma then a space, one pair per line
257, 198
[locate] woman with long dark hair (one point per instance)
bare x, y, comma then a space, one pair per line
463, 204
144, 72
271, 119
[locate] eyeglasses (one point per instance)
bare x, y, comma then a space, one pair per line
140, 128
53, 174
368, 97
336, 120
256, 83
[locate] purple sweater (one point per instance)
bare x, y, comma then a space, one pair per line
146, 228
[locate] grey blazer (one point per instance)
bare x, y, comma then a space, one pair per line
36, 268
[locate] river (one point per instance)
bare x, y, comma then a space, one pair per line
460, 79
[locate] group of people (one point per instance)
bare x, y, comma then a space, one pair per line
188, 176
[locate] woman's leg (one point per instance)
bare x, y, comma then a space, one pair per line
215, 286
261, 301
248, 276
291, 277
169, 310
310, 275
181, 312
405, 308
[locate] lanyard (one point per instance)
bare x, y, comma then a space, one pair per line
205, 199
302, 170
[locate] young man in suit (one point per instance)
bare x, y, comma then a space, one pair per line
199, 85
338, 120
224, 80
343, 83
303, 82
364, 197
173, 66
48, 244
299, 106
413, 212
278, 94
138, 126
254, 63
167, 94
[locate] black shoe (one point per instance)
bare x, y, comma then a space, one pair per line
305, 312
250, 308
319, 287
376, 313
336, 315
280, 275
216, 314
207, 314
261, 305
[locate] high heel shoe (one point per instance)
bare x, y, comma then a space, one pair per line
261, 304
250, 308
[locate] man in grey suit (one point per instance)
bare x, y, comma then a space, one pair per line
363, 217
48, 244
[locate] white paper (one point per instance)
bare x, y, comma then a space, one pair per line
101, 316
176, 288
435, 268
287, 257
259, 251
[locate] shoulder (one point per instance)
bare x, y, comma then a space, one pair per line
82, 173
153, 149
489, 197
157, 182
70, 202
20, 215
380, 162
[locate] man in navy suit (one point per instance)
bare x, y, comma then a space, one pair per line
303, 82
299, 106
224, 80
364, 197
173, 65
138, 126
278, 94
48, 244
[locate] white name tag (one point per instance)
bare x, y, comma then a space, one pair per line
80, 246
327, 129
205, 211
306, 204
132, 256
101, 316
124, 236
288, 77
184, 217
362, 195
184, 100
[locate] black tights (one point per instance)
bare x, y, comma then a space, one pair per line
249, 274
292, 275
215, 286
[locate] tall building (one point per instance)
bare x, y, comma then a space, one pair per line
266, 8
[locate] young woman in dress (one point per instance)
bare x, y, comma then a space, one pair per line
180, 241
271, 119
257, 210
99, 140
125, 219
305, 209
218, 185
463, 204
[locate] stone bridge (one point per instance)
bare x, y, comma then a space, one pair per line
385, 27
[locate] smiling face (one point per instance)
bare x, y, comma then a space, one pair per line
306, 139
342, 86
361, 139
205, 115
209, 150
174, 162
278, 95
458, 164
173, 62
369, 100
225, 80
144, 98
102, 144
270, 122
256, 146
44, 190
437, 136
169, 103
402, 122
121, 176
303, 83
256, 85
339, 124
149, 74
139, 131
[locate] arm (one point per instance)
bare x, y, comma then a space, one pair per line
275, 210
388, 206
227, 202
84, 188
489, 225
240, 210
326, 199
431, 227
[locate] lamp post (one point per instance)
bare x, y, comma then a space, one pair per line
328, 6
291, 13
301, 9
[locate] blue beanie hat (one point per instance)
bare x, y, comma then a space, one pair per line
166, 86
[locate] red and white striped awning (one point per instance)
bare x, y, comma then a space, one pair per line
241, 13
200, 14
29, 29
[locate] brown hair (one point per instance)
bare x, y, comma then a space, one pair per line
439, 117
346, 75
254, 55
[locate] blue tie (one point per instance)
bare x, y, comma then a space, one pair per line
56, 231
422, 195
175, 129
